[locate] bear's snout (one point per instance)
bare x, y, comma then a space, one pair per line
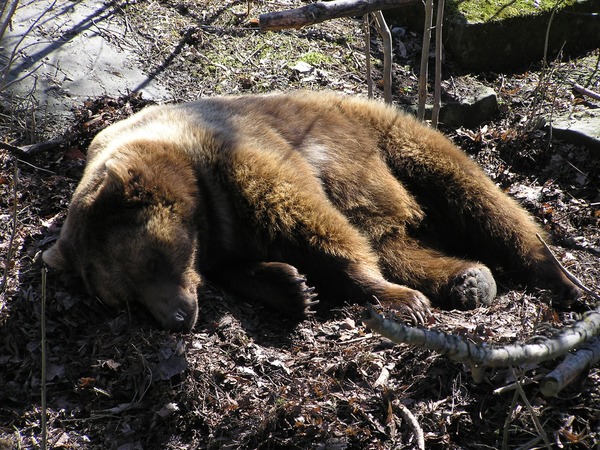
175, 307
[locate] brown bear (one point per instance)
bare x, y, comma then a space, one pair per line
270, 194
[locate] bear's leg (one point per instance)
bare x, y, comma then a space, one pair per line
303, 228
466, 214
449, 282
277, 285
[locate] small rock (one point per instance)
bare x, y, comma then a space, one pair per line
302, 67
480, 105
580, 128
467, 110
348, 324
168, 410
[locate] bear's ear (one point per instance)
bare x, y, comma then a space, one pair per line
121, 176
54, 257
117, 172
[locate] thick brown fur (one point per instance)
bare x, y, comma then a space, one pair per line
257, 192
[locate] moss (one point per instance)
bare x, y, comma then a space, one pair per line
315, 58
479, 11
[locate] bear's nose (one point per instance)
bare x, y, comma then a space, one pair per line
180, 320
182, 317
175, 307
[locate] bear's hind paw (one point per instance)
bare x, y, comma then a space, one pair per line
472, 288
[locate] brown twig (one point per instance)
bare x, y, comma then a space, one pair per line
568, 274
32, 149
425, 60
585, 91
367, 24
437, 93
386, 36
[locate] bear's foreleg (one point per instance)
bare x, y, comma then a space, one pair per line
277, 285
449, 282
286, 203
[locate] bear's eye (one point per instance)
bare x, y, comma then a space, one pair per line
87, 276
153, 266
156, 265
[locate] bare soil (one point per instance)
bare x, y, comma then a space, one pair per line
247, 377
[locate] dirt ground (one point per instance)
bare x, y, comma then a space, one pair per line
247, 377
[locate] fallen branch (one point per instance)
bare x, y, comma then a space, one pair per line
574, 363
413, 423
482, 355
32, 149
479, 356
586, 91
322, 11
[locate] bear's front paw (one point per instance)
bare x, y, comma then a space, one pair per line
282, 287
473, 287
304, 298
408, 303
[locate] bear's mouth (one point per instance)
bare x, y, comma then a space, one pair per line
174, 306
180, 320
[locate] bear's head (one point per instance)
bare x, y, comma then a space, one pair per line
130, 233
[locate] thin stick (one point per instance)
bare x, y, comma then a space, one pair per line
386, 36
367, 21
17, 47
534, 417
568, 274
437, 93
424, 60
586, 91
508, 420
44, 416
33, 149
544, 61
13, 232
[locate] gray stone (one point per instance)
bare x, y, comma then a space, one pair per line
468, 110
581, 128
475, 108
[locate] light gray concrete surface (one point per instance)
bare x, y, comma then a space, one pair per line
67, 51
